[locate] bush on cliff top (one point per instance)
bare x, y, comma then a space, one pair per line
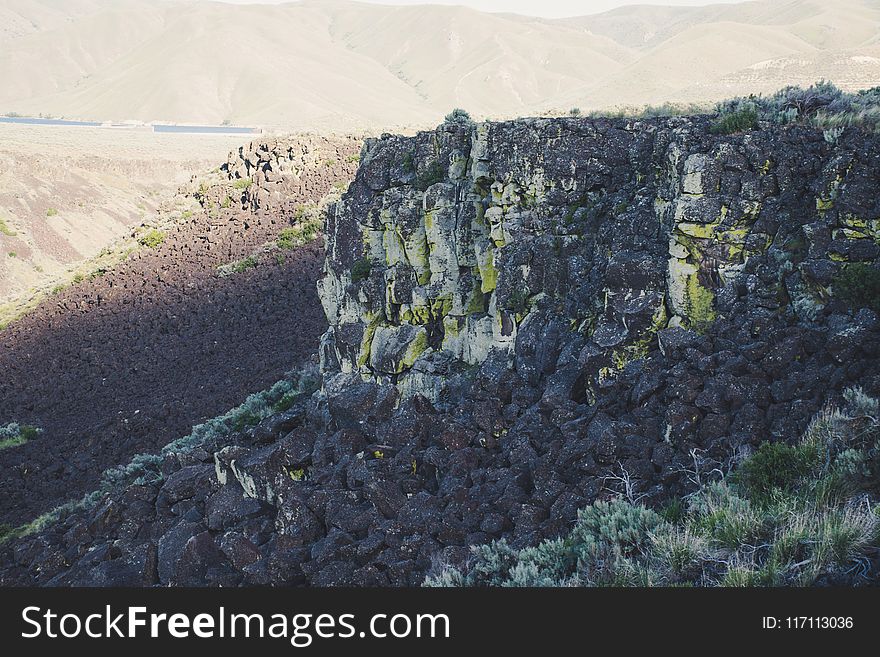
744, 117
790, 515
822, 105
458, 115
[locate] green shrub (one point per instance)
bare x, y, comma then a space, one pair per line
243, 265
152, 238
775, 467
14, 434
241, 183
287, 402
295, 236
51, 212
6, 230
237, 266
790, 515
245, 420
459, 116
822, 105
361, 269
738, 120
858, 285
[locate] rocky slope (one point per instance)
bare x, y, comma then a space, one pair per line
523, 317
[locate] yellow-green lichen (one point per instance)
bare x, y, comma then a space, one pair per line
440, 307
700, 304
415, 349
297, 474
856, 227
373, 322
699, 231
642, 346
488, 273
823, 205
420, 314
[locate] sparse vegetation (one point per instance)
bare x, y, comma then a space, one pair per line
858, 285
458, 115
238, 266
295, 236
737, 118
51, 212
6, 230
788, 515
408, 163
12, 254
257, 407
241, 183
13, 435
361, 269
40, 523
145, 468
821, 105
152, 238
433, 174
653, 111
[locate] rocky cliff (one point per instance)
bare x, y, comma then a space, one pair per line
523, 317
571, 247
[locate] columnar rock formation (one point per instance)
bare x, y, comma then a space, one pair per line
451, 244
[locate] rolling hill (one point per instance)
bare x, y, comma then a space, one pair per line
345, 65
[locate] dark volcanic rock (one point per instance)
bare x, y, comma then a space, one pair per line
522, 317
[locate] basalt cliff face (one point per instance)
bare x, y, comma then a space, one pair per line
523, 317
571, 248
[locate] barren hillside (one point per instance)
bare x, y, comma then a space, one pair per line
344, 65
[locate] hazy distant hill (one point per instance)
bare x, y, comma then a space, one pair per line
339, 64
